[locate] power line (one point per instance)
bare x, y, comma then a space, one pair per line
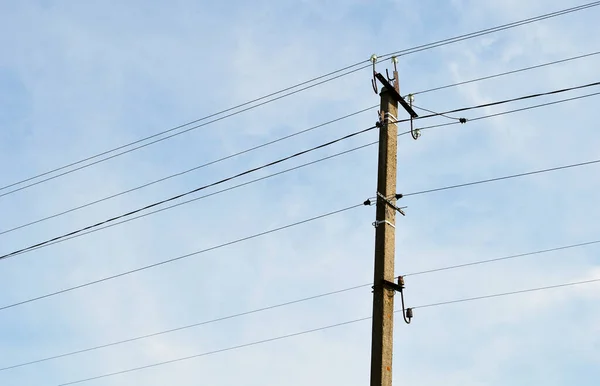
218, 351
513, 111
184, 327
137, 147
501, 102
509, 293
305, 299
287, 137
249, 171
510, 257
185, 171
497, 28
322, 329
351, 69
319, 160
219, 246
507, 73
503, 178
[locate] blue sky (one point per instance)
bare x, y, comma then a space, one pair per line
77, 78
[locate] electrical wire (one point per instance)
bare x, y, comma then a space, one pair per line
507, 73
438, 114
219, 351
140, 146
285, 227
249, 171
496, 29
203, 323
287, 137
510, 257
501, 102
171, 260
185, 171
509, 293
351, 69
307, 164
513, 111
134, 369
280, 305
503, 178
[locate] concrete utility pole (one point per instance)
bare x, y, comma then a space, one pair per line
385, 231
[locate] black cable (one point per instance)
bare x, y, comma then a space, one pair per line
180, 257
292, 135
513, 111
401, 52
525, 97
506, 73
439, 114
301, 166
290, 303
249, 171
183, 172
321, 329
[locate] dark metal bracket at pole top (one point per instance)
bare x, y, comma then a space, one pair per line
394, 89
407, 313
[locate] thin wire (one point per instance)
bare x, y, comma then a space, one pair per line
201, 197
295, 168
503, 178
513, 111
525, 97
494, 29
479, 262
506, 73
125, 273
401, 52
509, 293
303, 131
219, 351
319, 329
203, 323
433, 112
146, 144
291, 303
294, 134
182, 173
249, 171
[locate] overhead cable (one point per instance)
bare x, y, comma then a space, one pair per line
338, 74
304, 332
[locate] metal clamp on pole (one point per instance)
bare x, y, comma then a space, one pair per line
378, 223
391, 204
407, 313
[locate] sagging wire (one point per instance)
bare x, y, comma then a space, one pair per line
415, 132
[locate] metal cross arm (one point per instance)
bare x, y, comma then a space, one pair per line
388, 202
396, 96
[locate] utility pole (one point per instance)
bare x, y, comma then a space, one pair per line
384, 287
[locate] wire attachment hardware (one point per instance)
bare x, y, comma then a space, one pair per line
373, 60
407, 313
415, 133
391, 204
378, 223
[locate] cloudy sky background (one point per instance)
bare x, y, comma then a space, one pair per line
78, 78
